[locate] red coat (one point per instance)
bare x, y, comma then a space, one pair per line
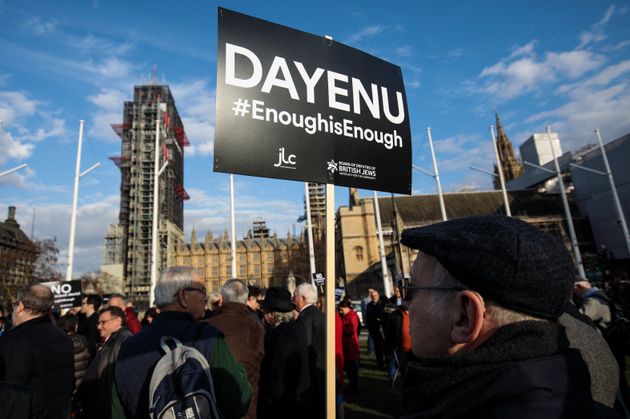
338, 348
350, 336
133, 323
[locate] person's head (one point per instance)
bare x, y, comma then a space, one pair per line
305, 294
214, 301
277, 306
91, 304
118, 300
69, 323
374, 296
181, 289
476, 274
396, 292
149, 315
32, 301
110, 320
234, 291
345, 306
253, 297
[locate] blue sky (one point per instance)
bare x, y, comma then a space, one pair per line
562, 63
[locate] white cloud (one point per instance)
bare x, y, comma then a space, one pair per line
523, 72
195, 102
596, 31
14, 105
39, 26
109, 103
372, 31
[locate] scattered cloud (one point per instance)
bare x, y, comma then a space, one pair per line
39, 26
196, 106
372, 31
596, 32
17, 138
524, 72
109, 105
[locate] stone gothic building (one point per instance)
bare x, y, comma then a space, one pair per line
510, 165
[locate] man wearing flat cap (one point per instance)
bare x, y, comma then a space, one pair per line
484, 297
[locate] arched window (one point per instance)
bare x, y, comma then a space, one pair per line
358, 251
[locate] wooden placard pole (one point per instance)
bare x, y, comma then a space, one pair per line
331, 371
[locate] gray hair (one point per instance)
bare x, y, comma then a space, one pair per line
171, 281
439, 300
234, 291
37, 298
308, 291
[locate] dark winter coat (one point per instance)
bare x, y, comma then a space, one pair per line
246, 339
95, 392
39, 355
81, 357
525, 370
313, 323
284, 374
90, 331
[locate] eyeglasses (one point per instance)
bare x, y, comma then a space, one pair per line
102, 322
406, 290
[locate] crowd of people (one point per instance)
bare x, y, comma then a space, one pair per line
492, 323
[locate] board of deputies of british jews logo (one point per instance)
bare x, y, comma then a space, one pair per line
285, 161
357, 170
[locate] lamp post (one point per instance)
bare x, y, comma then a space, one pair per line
157, 171
500, 170
75, 198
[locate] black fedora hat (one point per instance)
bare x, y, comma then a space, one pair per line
278, 299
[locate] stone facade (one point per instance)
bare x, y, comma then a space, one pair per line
264, 261
17, 258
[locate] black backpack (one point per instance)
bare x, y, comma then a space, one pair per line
181, 385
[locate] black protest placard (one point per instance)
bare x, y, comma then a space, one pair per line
292, 105
67, 294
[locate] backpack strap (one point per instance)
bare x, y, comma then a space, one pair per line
168, 344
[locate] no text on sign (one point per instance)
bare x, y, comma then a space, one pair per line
292, 105
66, 294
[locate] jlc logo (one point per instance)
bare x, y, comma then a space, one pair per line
284, 160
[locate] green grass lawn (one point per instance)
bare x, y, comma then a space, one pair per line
375, 398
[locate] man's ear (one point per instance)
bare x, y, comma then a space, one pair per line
468, 317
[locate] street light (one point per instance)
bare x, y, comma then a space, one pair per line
565, 204
15, 169
75, 198
157, 171
434, 175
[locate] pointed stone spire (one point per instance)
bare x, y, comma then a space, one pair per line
193, 237
510, 165
354, 198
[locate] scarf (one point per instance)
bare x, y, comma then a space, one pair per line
428, 379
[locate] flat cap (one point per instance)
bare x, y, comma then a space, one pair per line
507, 260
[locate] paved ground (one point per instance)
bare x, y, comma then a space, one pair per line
375, 398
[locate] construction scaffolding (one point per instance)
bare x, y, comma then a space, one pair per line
136, 163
